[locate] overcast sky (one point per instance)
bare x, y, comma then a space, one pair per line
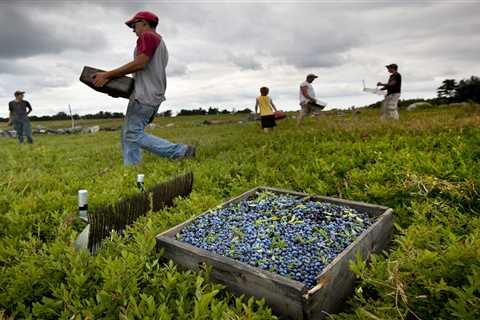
221, 52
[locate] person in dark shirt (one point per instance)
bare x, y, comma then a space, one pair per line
393, 87
19, 111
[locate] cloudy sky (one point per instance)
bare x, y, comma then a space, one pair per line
221, 52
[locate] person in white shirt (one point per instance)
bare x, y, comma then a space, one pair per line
308, 102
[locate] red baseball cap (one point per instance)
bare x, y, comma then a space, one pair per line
142, 15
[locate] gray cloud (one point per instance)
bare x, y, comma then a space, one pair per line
245, 61
177, 70
14, 68
238, 47
27, 33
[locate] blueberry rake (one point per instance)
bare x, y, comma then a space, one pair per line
119, 215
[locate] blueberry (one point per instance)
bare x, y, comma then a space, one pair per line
278, 233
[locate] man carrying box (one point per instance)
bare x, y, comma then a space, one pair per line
393, 86
308, 101
148, 67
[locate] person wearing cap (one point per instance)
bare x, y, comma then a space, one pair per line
19, 111
308, 102
393, 86
148, 67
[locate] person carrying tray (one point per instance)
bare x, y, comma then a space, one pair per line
308, 102
19, 111
393, 87
148, 67
267, 110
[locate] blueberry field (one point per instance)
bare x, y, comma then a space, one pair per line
426, 167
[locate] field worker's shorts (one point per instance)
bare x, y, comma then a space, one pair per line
390, 107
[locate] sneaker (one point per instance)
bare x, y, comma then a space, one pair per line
191, 152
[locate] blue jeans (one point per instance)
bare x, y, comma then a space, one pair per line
133, 136
23, 128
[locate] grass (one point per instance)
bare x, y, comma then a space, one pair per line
426, 167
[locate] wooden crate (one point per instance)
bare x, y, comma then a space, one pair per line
288, 298
117, 87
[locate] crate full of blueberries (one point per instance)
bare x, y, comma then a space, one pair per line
289, 248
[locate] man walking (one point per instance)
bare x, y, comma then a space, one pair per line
393, 87
19, 111
308, 102
148, 67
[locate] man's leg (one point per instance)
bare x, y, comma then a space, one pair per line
392, 107
125, 148
304, 111
383, 108
156, 145
18, 126
316, 112
162, 147
27, 130
131, 150
136, 137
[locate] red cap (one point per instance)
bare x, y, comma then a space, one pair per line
142, 15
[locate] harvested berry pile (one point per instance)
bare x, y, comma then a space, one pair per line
292, 236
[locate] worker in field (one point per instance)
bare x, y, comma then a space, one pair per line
393, 86
308, 102
148, 67
19, 111
267, 110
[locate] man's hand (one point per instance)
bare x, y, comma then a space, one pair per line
100, 79
9, 123
380, 84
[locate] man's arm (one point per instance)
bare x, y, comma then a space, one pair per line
9, 122
256, 105
385, 86
29, 108
305, 93
139, 63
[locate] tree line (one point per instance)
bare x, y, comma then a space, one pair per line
210, 111
463, 90
116, 115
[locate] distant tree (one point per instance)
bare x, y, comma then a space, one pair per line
447, 89
165, 114
199, 111
60, 116
64, 116
375, 105
225, 111
103, 115
212, 110
468, 89
246, 110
